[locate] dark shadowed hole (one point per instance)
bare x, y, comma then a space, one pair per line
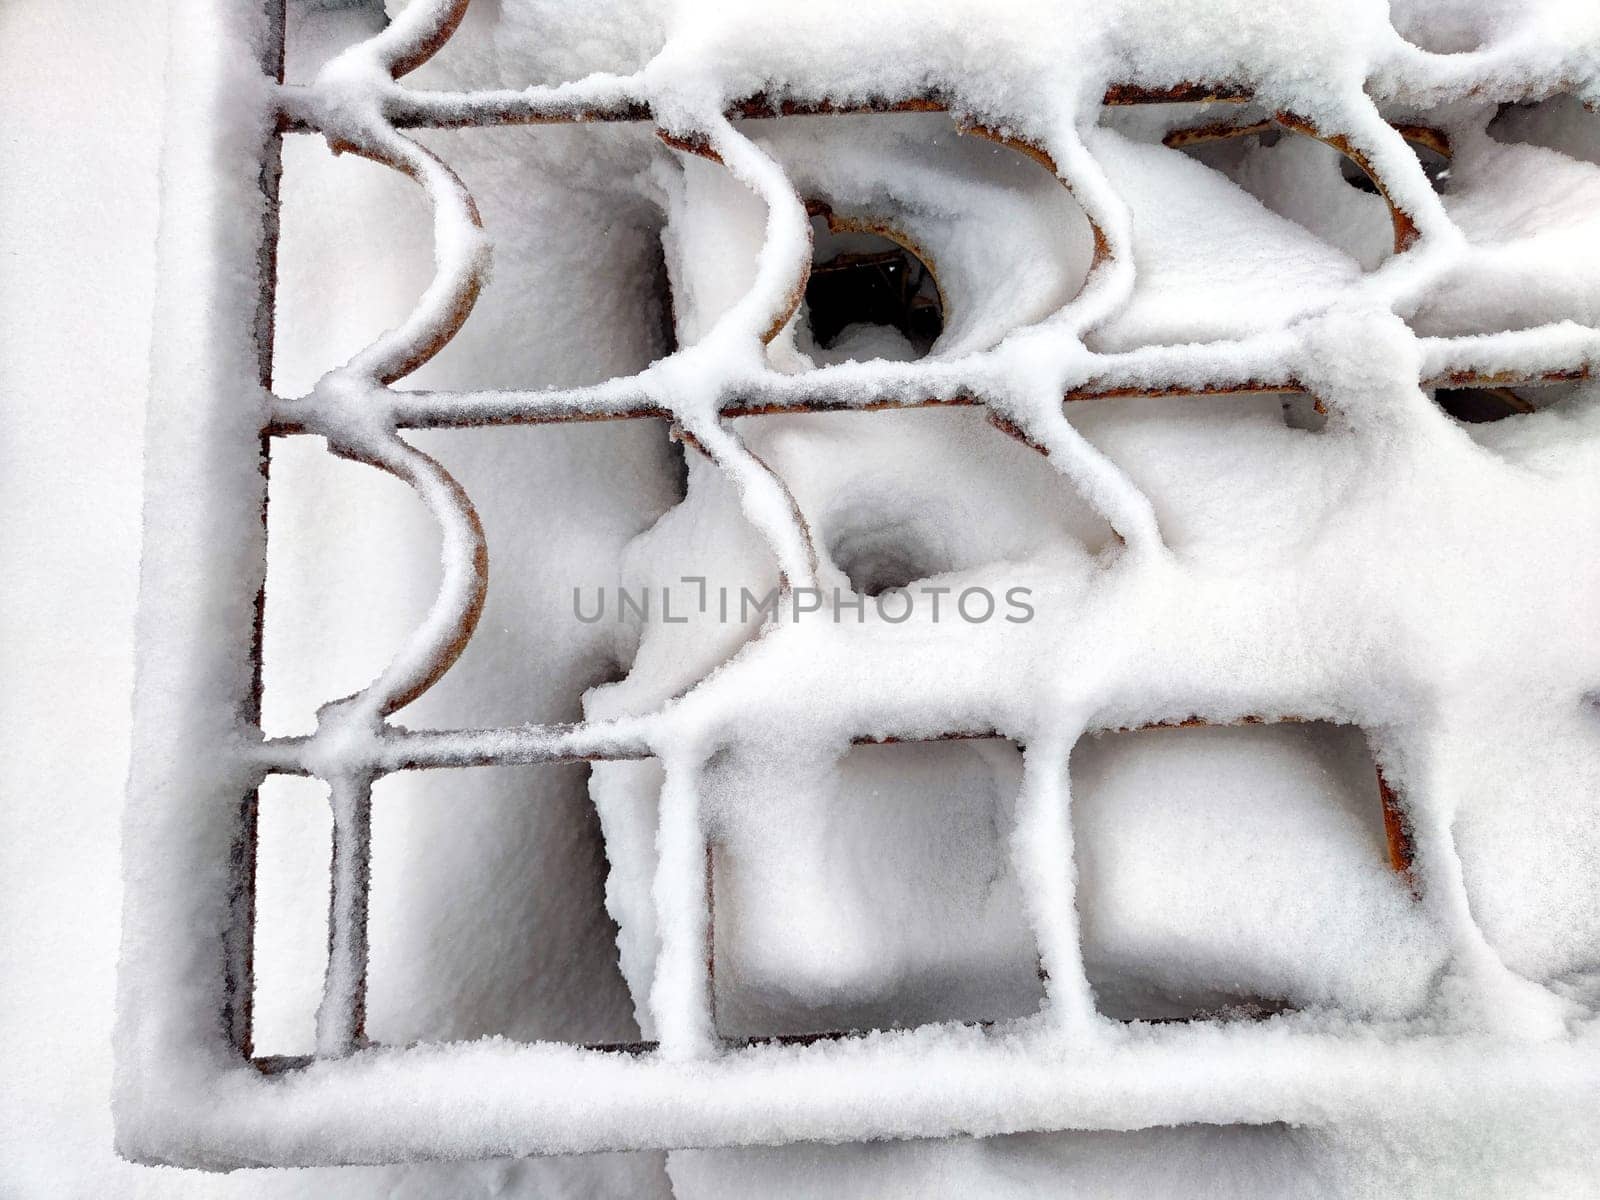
886, 557
1479, 406
864, 279
1434, 165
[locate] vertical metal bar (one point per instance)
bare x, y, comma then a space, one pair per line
239, 940
681, 994
341, 1018
1045, 859
188, 830
711, 932
272, 60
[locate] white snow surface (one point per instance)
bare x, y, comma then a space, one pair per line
1414, 590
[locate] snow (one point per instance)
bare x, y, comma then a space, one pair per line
291, 946
1303, 908
1390, 573
69, 471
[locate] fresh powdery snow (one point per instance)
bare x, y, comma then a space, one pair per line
1124, 738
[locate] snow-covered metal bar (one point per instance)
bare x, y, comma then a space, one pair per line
397, 749
1519, 358
341, 1016
609, 98
188, 832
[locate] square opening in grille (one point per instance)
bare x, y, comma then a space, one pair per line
487, 911
289, 956
825, 915
1242, 871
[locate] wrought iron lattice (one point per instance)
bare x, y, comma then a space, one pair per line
188, 956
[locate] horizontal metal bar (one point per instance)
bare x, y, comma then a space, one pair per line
624, 101
496, 1097
398, 749
393, 748
1243, 1010
471, 410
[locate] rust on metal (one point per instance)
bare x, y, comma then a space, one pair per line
762, 106
1397, 830
1215, 131
421, 111
1405, 229
1490, 380
1406, 232
1125, 94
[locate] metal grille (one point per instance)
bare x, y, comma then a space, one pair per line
361, 108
